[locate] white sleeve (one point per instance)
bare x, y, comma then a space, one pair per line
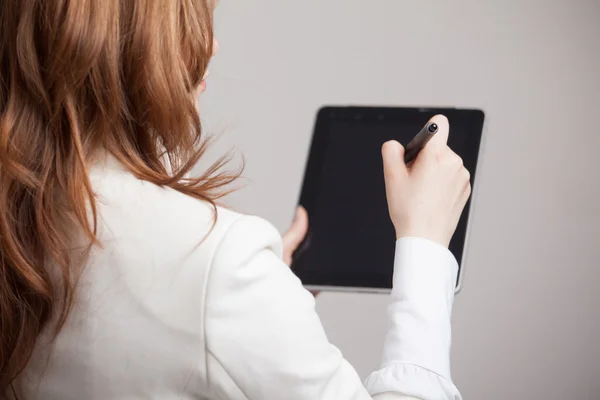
416, 352
265, 341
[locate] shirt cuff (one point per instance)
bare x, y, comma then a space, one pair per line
403, 380
419, 336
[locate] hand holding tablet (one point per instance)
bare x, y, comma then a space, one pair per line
351, 240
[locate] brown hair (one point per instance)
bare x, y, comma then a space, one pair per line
75, 77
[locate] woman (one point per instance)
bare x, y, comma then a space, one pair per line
120, 278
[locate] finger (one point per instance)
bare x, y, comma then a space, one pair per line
455, 162
466, 175
463, 196
393, 160
468, 189
440, 139
297, 232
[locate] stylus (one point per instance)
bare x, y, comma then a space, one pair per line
419, 141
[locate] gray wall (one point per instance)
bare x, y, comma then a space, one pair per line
527, 325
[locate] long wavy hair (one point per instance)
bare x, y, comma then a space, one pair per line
78, 76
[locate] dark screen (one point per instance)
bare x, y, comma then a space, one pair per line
351, 241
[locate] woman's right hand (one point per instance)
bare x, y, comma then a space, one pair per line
426, 198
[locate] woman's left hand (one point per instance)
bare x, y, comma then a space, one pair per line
295, 235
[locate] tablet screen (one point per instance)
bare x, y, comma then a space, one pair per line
351, 241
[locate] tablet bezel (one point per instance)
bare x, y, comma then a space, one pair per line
316, 157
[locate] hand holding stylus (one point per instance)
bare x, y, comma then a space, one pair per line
426, 199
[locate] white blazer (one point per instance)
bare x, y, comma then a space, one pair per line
170, 307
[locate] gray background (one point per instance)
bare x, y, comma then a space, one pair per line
527, 325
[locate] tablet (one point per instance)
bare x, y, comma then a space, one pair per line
350, 245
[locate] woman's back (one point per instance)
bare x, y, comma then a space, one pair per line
136, 329
171, 304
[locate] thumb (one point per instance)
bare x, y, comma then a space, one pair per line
297, 232
393, 161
